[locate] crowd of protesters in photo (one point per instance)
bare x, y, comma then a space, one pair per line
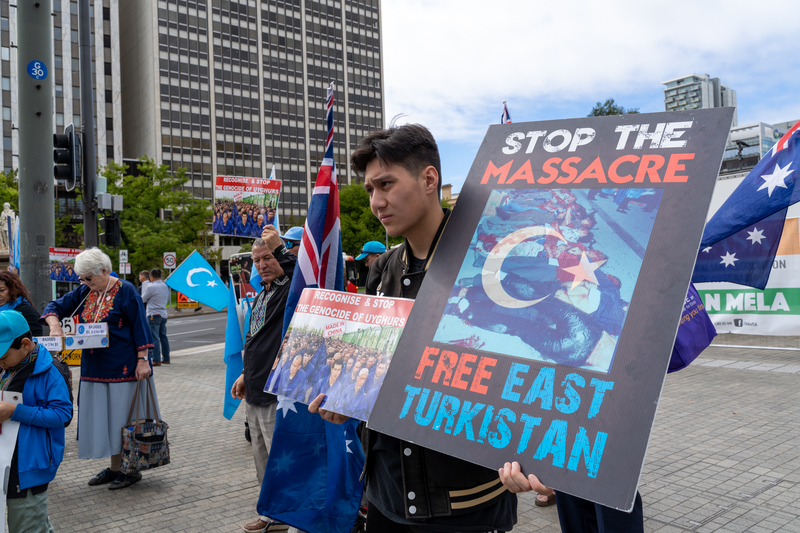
243, 219
349, 374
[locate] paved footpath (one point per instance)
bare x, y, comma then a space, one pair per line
724, 455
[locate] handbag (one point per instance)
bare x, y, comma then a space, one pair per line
144, 441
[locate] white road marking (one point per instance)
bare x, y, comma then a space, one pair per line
188, 332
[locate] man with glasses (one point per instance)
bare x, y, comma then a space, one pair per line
292, 239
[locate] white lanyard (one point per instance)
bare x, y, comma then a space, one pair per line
100, 303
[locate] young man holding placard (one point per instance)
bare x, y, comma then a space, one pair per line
411, 488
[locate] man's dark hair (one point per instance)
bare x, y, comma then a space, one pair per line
337, 362
17, 344
145, 273
155, 273
411, 146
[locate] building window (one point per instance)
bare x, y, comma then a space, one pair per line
57, 61
108, 68
107, 41
109, 97
59, 119
6, 143
57, 33
106, 13
4, 23
109, 124
76, 119
76, 65
73, 8
76, 93
109, 151
6, 113
6, 84
6, 53
74, 36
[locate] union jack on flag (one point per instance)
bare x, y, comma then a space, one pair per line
320, 258
505, 118
312, 478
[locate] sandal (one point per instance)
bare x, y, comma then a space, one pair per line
106, 476
125, 480
551, 500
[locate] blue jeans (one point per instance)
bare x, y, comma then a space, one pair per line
158, 329
581, 516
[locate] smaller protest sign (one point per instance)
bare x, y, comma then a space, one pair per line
339, 344
240, 267
62, 263
243, 206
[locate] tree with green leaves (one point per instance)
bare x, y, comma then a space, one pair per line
359, 225
158, 216
611, 108
9, 188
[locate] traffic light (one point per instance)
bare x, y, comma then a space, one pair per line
110, 231
67, 157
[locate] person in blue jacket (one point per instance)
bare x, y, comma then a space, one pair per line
42, 412
243, 227
226, 224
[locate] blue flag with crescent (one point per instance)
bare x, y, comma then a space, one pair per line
199, 281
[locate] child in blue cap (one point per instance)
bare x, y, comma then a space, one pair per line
45, 408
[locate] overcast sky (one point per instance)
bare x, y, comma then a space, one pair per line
449, 64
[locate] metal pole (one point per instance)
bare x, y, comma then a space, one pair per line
36, 180
89, 162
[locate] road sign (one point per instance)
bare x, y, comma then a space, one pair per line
37, 70
123, 256
170, 258
125, 268
184, 302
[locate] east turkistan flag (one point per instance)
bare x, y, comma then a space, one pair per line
199, 281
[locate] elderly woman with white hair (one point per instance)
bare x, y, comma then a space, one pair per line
108, 375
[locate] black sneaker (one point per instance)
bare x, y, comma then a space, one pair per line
125, 480
106, 476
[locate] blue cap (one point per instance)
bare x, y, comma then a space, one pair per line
293, 234
12, 325
372, 247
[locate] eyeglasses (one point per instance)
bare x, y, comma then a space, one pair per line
85, 279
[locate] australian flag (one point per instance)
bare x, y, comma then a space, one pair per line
312, 477
741, 239
505, 118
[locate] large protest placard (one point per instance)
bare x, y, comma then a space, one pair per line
62, 262
243, 206
339, 344
544, 327
773, 311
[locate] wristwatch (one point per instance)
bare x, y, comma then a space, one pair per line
145, 358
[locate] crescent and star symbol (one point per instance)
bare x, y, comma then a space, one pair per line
210, 283
490, 276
